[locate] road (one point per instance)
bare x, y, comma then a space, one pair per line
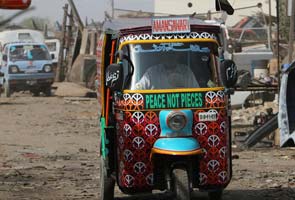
49, 151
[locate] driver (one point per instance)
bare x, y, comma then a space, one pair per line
168, 75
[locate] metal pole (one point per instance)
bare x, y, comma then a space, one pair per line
269, 22
277, 133
69, 46
209, 16
60, 65
76, 15
291, 32
278, 34
113, 8
278, 44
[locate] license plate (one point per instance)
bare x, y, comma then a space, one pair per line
207, 116
31, 82
31, 71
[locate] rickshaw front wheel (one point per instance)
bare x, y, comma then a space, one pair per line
107, 184
215, 195
181, 185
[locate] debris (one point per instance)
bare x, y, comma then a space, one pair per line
275, 185
68, 89
12, 173
83, 150
69, 99
261, 132
31, 155
285, 157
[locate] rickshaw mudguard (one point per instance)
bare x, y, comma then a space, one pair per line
170, 145
174, 145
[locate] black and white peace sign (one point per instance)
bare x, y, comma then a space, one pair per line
213, 141
138, 143
151, 130
139, 168
213, 165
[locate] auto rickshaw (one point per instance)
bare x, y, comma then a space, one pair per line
173, 136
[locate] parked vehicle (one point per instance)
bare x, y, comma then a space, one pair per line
25, 62
286, 116
54, 48
20, 35
163, 128
26, 66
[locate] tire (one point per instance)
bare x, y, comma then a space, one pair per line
47, 91
261, 132
7, 92
107, 184
181, 184
36, 93
215, 195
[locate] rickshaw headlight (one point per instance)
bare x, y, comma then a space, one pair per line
176, 121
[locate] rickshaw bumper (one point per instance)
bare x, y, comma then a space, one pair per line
177, 146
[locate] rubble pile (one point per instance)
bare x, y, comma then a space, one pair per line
246, 116
69, 89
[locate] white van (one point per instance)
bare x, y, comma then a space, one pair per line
20, 35
53, 46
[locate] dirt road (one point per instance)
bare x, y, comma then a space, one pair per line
49, 151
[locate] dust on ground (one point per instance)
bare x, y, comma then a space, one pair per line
49, 148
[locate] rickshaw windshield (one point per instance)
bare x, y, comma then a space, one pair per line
172, 65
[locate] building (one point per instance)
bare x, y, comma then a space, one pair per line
165, 7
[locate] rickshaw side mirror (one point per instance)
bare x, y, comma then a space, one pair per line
120, 54
225, 6
228, 70
114, 77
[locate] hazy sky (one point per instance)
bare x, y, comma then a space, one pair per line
94, 9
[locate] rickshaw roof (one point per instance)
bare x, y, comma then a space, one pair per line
117, 25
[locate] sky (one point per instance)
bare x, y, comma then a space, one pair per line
52, 9
94, 9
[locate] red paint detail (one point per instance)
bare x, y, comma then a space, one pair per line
15, 4
171, 25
